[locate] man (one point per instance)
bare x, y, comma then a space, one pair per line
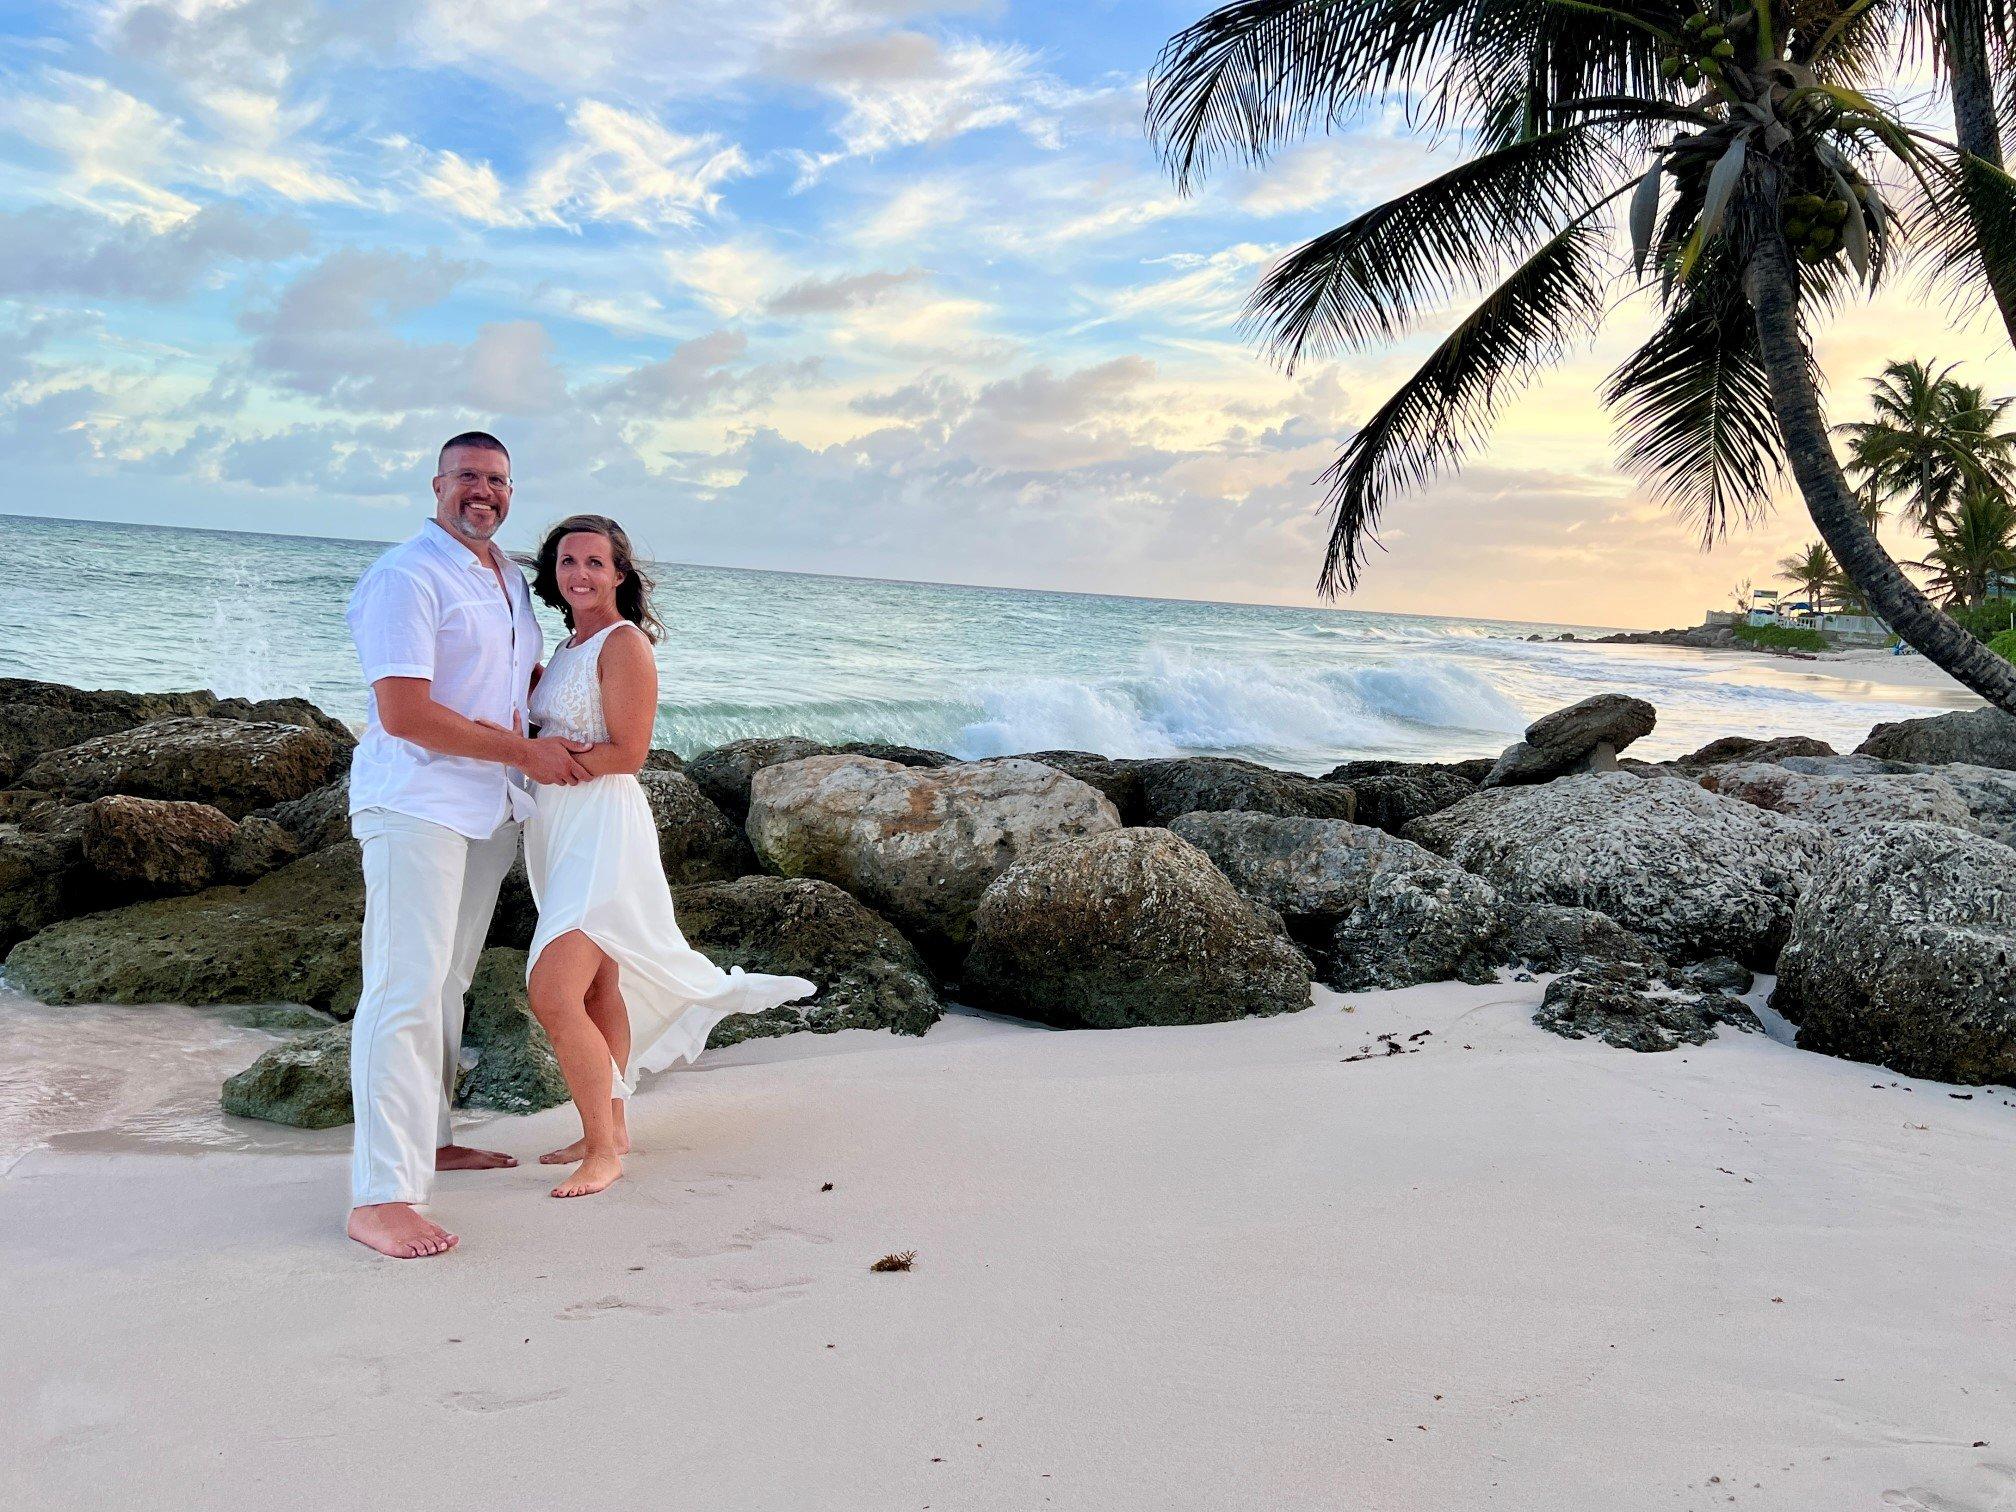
445, 633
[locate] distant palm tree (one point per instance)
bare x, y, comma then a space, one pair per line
1932, 438
1814, 570
1750, 159
1971, 547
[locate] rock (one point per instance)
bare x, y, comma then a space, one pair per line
1626, 1006
321, 818
1903, 952
869, 976
1746, 748
696, 841
39, 717
1583, 737
304, 1082
292, 711
516, 917
724, 773
1374, 910
1551, 937
515, 1070
1120, 781
1417, 925
1978, 737
258, 846
1391, 800
290, 937
1718, 974
918, 846
1134, 926
1193, 784
1695, 873
151, 847
902, 755
1841, 805
234, 765
663, 759
43, 878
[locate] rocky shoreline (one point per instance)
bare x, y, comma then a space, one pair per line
182, 848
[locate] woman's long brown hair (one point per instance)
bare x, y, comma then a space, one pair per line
633, 594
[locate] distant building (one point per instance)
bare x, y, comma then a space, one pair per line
2002, 585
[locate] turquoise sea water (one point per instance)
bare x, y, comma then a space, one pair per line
975, 671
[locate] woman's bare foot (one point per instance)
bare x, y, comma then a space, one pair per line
395, 1229
568, 1154
462, 1158
591, 1176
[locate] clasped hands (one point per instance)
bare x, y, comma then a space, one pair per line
550, 758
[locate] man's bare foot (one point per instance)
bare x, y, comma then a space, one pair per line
568, 1154
462, 1158
395, 1229
591, 1176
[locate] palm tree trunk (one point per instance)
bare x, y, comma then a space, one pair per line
1774, 297
1974, 123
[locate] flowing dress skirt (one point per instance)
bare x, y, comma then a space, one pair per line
591, 852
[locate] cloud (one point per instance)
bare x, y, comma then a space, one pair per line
50, 251
116, 150
626, 167
847, 291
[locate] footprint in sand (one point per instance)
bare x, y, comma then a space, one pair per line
498, 1401
581, 1312
748, 1296
740, 1242
1994, 1490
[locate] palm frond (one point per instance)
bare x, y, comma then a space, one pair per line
1966, 226
1694, 415
1367, 280
1448, 406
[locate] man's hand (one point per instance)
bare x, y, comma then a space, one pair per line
550, 759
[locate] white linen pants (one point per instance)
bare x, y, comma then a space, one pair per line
428, 897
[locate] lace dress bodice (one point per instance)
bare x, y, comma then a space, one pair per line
568, 700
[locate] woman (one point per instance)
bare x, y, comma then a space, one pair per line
610, 976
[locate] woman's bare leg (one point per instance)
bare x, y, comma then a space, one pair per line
611, 1015
559, 989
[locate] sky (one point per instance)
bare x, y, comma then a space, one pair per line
871, 287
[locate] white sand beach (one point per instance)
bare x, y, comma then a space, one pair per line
1180, 1268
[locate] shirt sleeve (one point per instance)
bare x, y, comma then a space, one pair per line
394, 618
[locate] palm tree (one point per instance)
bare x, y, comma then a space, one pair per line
1973, 40
1932, 439
1750, 161
1813, 570
1974, 545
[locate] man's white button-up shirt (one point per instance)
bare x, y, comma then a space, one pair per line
429, 608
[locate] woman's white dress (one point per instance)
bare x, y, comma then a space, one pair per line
591, 852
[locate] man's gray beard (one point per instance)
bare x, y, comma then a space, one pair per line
475, 531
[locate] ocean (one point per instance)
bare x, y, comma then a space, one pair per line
974, 671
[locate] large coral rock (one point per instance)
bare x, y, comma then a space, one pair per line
1903, 952
291, 937
236, 765
1978, 737
1694, 873
1120, 781
902, 755
148, 847
515, 1069
1841, 805
1135, 926
1392, 794
1583, 737
43, 876
320, 818
917, 845
1190, 784
1632, 1008
38, 717
869, 976
696, 841
1750, 748
1373, 909
303, 1081
725, 772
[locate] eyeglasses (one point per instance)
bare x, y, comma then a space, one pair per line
469, 478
